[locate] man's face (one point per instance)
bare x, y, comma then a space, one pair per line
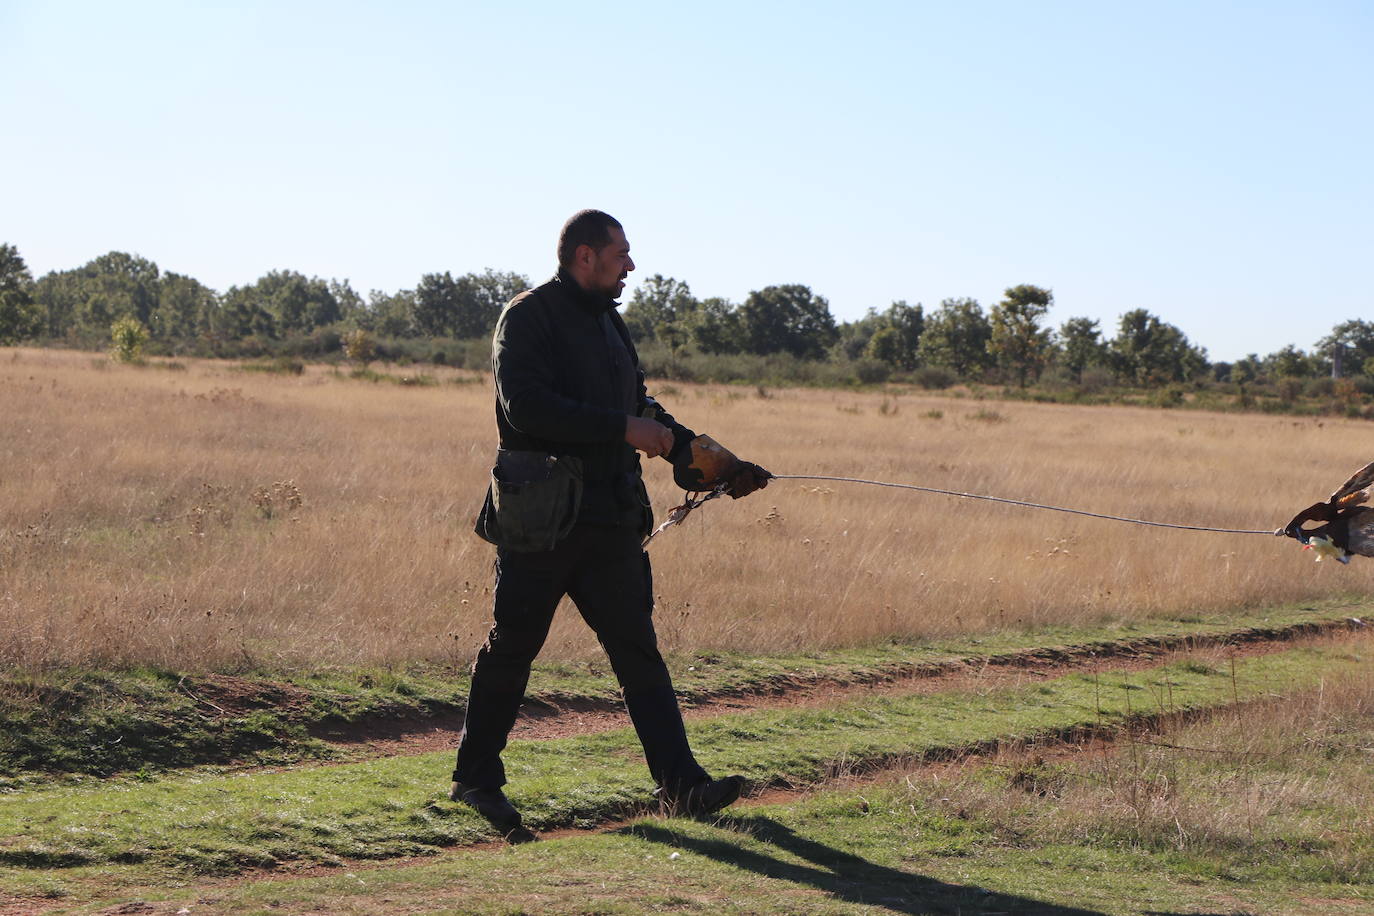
610, 265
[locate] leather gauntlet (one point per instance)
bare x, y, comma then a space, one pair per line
706, 464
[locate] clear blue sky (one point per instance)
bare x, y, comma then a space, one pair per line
1210, 162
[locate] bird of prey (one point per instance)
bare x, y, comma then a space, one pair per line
1348, 524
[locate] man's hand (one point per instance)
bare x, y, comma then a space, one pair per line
649, 436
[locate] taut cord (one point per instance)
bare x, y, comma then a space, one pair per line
1029, 505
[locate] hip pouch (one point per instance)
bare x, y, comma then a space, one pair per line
532, 501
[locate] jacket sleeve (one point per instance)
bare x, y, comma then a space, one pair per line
523, 357
681, 434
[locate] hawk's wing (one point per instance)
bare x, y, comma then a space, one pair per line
1355, 490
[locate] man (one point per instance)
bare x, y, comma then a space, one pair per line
568, 512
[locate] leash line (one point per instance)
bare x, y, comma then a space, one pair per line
1029, 505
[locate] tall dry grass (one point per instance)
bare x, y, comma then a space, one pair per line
141, 521
1270, 785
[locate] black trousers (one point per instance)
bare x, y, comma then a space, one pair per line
606, 573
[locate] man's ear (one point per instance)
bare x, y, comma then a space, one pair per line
585, 255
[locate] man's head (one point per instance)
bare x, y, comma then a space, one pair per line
592, 248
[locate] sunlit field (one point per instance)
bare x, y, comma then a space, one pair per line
208, 517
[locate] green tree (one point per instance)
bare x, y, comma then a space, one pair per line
661, 308
185, 308
116, 285
58, 294
1350, 342
14, 273
1245, 370
909, 321
20, 316
885, 346
1019, 342
956, 337
1080, 341
295, 302
787, 319
1147, 351
899, 351
479, 298
242, 313
715, 327
436, 304
1290, 362
90, 298
277, 303
390, 314
854, 336
351, 305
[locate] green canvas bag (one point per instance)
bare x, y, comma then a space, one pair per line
532, 500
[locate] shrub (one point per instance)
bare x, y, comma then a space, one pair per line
872, 371
474, 354
1345, 391
1171, 396
1095, 379
128, 337
1320, 387
359, 346
282, 365
933, 377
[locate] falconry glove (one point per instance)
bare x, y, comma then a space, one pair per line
706, 465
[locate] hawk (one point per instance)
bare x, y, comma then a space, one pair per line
1348, 524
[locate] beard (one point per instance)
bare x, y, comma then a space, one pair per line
612, 289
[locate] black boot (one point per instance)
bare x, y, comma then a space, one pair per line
705, 797
496, 809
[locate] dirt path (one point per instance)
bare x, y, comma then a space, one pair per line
1072, 745
1008, 670
539, 721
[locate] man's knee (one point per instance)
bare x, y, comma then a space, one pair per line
508, 653
637, 663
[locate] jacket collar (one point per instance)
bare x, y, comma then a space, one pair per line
590, 302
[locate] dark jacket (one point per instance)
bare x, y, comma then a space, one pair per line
567, 377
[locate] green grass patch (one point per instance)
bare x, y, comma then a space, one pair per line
145, 720
139, 720
975, 840
281, 365
407, 379
701, 677
204, 822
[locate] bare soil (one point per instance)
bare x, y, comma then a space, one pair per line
541, 720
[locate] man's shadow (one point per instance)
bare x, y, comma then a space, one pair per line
847, 876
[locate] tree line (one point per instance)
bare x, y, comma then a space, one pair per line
284, 311
81, 305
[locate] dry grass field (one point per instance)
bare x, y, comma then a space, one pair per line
212, 518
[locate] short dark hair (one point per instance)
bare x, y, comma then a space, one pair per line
585, 227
